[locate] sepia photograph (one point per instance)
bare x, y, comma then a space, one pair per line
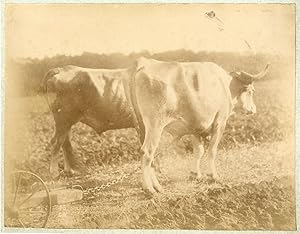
149, 116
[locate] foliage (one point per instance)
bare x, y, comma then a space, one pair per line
27, 74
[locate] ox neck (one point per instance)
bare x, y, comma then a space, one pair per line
235, 88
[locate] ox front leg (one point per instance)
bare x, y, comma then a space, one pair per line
151, 142
213, 147
198, 152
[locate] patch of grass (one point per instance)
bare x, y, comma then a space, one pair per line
274, 120
268, 205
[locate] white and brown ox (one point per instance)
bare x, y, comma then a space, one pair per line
194, 98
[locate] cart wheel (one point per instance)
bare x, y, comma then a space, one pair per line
27, 201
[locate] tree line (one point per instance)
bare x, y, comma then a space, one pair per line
24, 76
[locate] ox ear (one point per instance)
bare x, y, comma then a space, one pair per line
246, 78
234, 74
242, 77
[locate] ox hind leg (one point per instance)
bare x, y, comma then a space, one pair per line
218, 130
69, 158
153, 133
65, 116
58, 140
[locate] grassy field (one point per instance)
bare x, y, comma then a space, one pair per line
255, 162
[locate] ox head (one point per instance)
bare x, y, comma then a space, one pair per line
242, 89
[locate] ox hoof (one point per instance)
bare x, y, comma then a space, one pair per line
70, 172
159, 188
195, 175
55, 177
213, 177
149, 193
55, 174
149, 190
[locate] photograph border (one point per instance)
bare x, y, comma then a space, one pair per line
2, 106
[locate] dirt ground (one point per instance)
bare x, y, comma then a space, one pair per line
256, 189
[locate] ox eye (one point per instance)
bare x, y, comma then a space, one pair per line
244, 89
251, 90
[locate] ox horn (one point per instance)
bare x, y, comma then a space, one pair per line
258, 76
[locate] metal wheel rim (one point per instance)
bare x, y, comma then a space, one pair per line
44, 187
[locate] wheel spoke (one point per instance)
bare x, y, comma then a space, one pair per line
30, 199
16, 192
40, 204
20, 221
26, 199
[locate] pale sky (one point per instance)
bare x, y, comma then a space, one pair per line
38, 30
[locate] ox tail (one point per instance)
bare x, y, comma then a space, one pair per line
133, 97
45, 84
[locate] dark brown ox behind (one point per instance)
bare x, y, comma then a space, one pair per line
95, 97
182, 98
